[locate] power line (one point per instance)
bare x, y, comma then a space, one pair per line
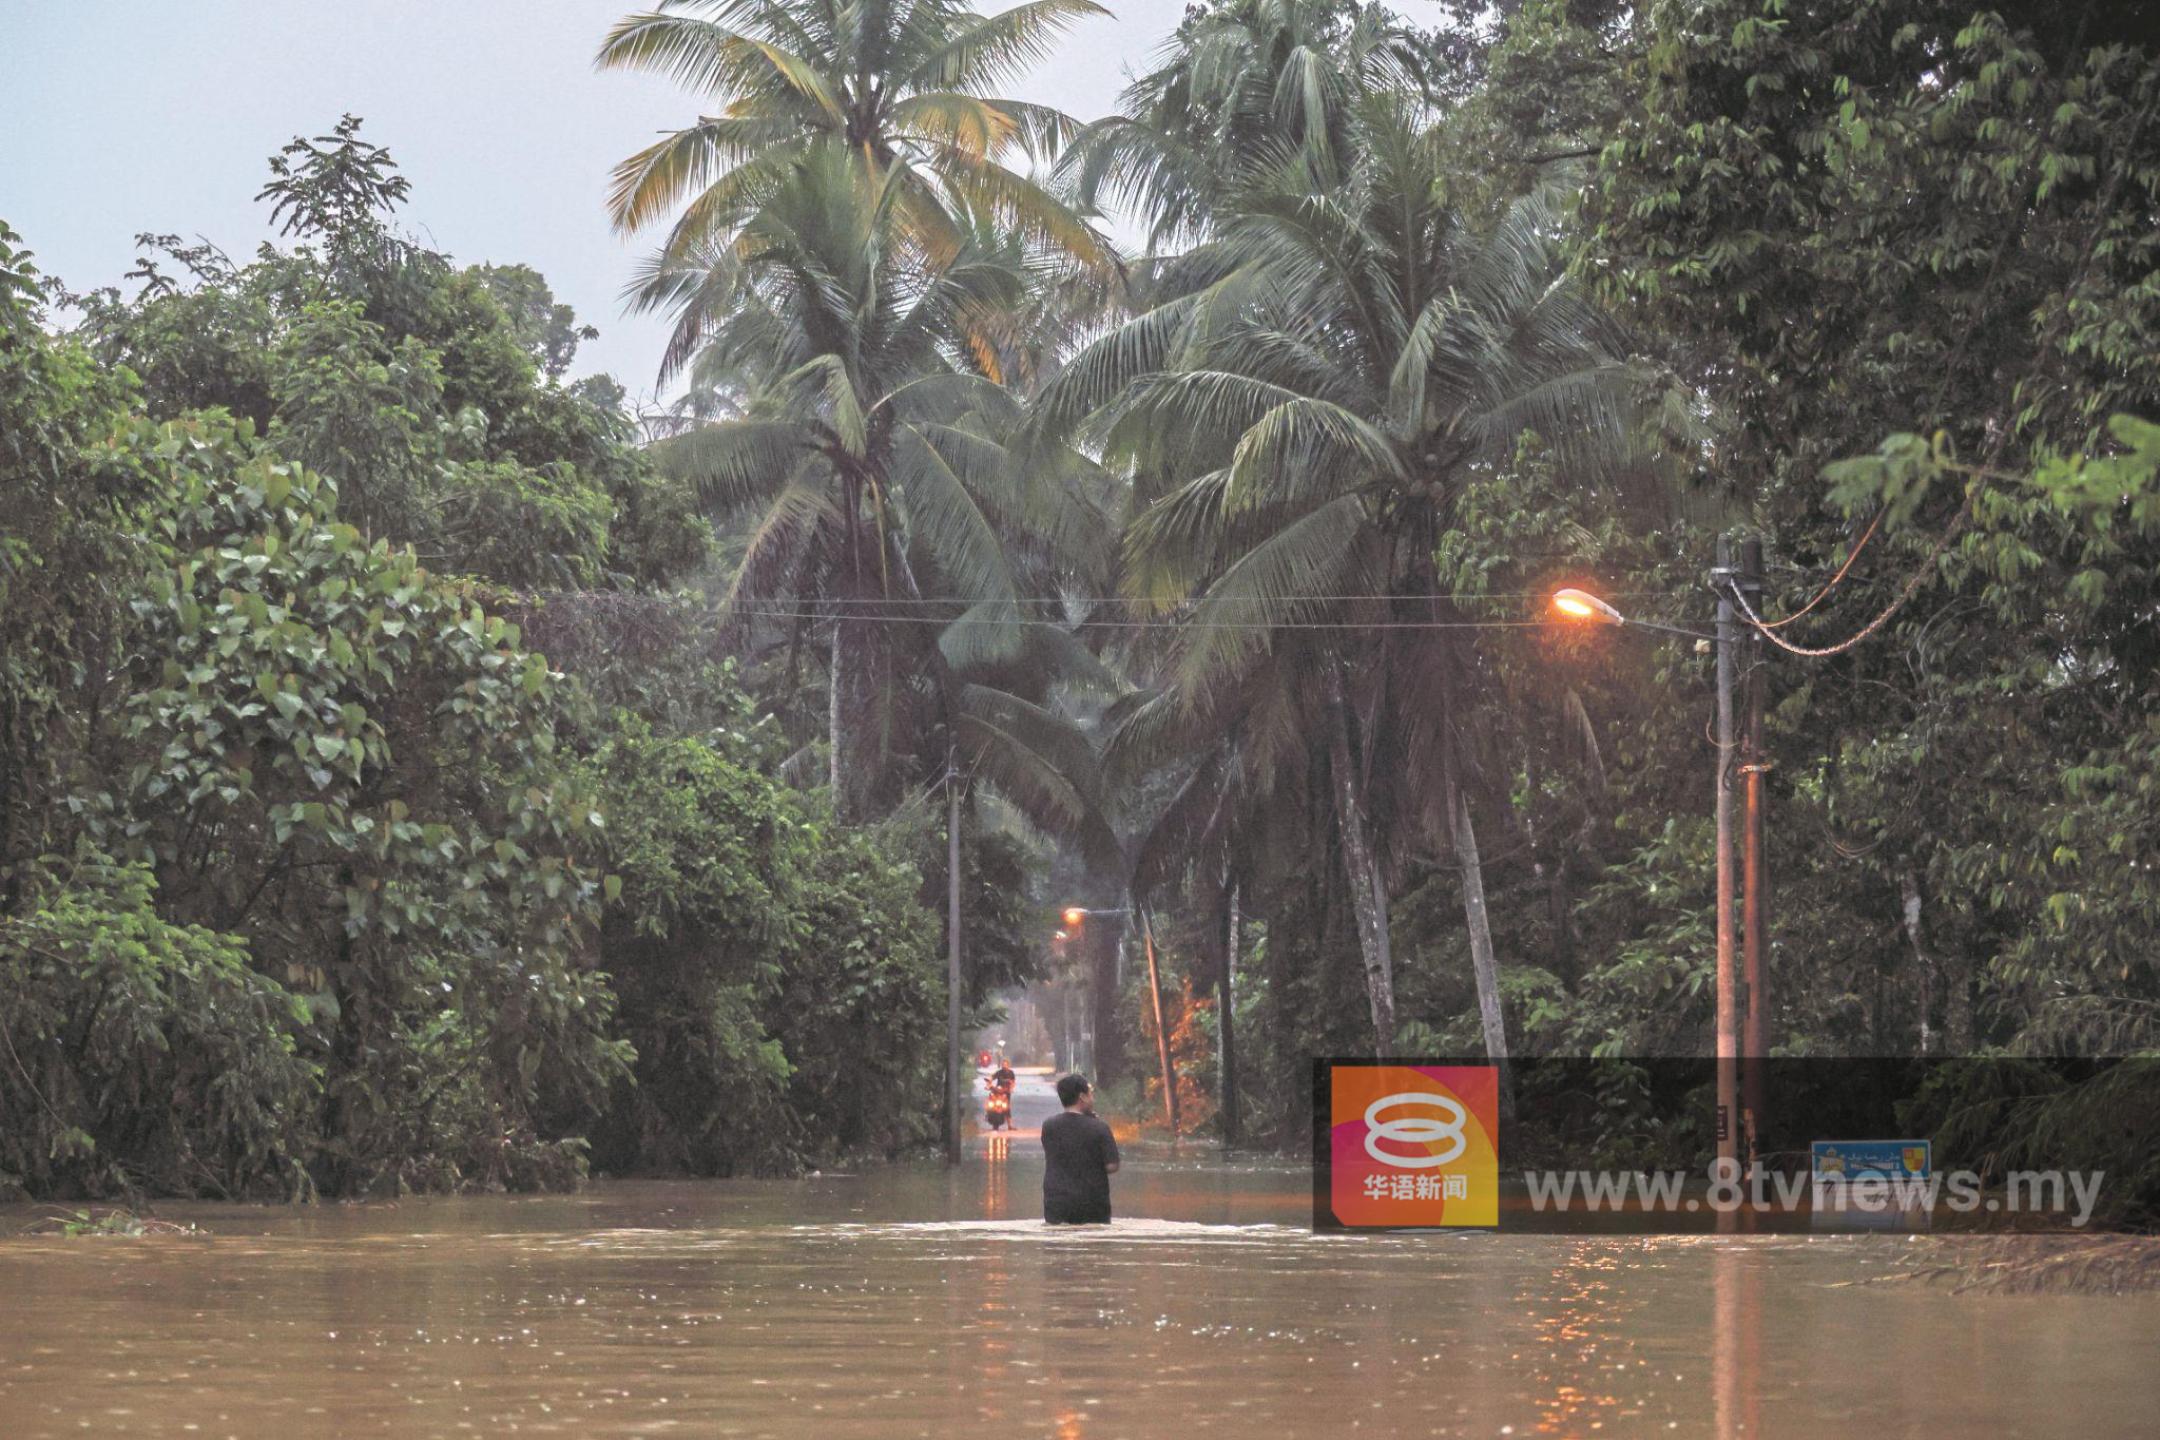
904, 600
1824, 593
1912, 583
1187, 624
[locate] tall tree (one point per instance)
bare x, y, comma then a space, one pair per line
1241, 87
1930, 219
904, 85
1300, 422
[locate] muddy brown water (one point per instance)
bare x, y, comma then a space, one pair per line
912, 1301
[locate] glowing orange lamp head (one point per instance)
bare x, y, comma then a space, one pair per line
1582, 605
1075, 917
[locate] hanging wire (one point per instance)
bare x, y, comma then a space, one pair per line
1920, 572
1835, 580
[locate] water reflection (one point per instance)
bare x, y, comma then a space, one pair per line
915, 1301
1736, 1281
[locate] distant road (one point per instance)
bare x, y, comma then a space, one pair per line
1034, 1101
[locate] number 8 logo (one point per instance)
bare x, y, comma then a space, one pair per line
1414, 1130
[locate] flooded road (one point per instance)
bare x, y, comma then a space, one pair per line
916, 1302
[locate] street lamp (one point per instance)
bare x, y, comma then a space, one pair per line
1740, 1004
1076, 916
1582, 605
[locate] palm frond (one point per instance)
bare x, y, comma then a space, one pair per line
945, 516
995, 49
1039, 760
825, 384
799, 73
688, 51
776, 547
1277, 581
1026, 207
1305, 444
968, 123
736, 461
687, 161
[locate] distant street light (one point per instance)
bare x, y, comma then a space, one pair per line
1740, 998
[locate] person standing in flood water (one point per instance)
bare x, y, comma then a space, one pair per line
1082, 1155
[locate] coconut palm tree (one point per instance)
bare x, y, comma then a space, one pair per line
1299, 423
1241, 87
905, 86
865, 463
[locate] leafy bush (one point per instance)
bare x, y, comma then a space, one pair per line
754, 944
342, 758
144, 1055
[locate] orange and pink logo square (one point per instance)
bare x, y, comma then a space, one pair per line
1414, 1144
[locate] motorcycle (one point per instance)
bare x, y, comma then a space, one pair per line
997, 1110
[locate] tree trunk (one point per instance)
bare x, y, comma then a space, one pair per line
1561, 914
1951, 973
1958, 1005
1101, 942
1482, 962
1368, 889
954, 1095
854, 728
1909, 893
1228, 1019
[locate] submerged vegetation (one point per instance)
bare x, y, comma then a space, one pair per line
419, 771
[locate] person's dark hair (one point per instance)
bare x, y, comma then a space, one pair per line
1071, 1088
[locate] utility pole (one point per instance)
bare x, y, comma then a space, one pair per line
1754, 919
1737, 1010
1728, 1010
1162, 1038
1231, 1126
953, 1100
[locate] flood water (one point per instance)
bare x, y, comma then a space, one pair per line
918, 1302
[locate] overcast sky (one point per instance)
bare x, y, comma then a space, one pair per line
122, 116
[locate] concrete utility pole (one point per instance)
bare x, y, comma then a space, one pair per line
1742, 999
1754, 902
1728, 1009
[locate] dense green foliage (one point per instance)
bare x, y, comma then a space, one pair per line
756, 943
367, 735
308, 881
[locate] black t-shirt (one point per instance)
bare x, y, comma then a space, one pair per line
1076, 1181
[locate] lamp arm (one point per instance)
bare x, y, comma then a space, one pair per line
1667, 629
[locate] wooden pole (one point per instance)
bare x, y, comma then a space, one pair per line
1162, 1037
